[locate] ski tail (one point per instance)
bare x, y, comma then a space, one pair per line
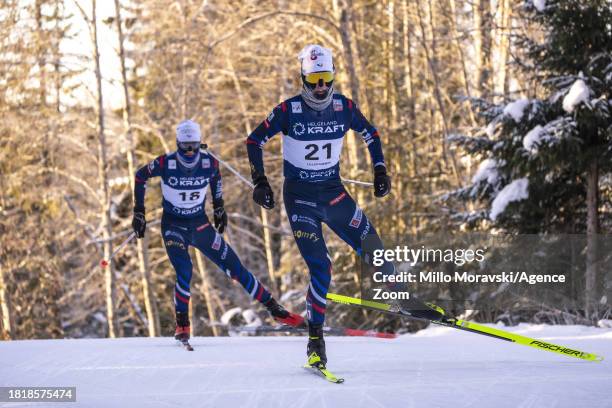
467, 326
330, 331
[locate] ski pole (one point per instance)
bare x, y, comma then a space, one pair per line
104, 263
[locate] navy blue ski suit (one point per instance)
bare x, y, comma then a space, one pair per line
184, 222
313, 192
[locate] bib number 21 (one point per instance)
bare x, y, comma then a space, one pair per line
313, 149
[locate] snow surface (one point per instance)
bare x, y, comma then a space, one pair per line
436, 367
533, 138
516, 108
578, 93
515, 191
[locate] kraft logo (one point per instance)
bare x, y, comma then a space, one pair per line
313, 130
299, 129
173, 181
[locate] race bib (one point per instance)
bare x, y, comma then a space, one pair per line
312, 154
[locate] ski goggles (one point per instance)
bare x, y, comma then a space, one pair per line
314, 78
189, 146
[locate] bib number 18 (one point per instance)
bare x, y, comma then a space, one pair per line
194, 195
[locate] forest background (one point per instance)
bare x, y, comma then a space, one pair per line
91, 90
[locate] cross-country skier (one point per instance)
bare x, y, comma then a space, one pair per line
313, 124
185, 175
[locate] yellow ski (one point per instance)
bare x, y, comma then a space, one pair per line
466, 326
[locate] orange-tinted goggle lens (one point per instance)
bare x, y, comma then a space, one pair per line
315, 77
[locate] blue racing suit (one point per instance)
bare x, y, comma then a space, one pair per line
313, 192
185, 223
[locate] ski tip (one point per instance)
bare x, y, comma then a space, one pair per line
323, 372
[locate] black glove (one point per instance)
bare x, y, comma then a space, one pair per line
139, 223
263, 194
382, 182
219, 216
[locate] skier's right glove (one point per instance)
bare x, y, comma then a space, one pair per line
263, 194
139, 223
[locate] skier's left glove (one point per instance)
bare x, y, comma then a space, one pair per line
382, 182
219, 216
139, 222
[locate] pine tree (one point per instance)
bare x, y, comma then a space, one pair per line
539, 154
543, 157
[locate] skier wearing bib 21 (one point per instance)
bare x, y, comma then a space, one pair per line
313, 125
185, 176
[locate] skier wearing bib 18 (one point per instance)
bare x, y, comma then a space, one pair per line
185, 176
313, 125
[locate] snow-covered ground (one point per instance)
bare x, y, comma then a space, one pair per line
437, 367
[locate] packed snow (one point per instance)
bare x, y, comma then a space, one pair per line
578, 93
515, 191
436, 367
515, 109
533, 138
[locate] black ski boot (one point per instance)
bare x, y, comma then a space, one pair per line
281, 315
182, 326
315, 351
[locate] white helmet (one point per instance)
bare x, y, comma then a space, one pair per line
315, 58
188, 131
188, 139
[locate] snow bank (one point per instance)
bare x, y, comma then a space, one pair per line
533, 138
487, 170
229, 315
515, 191
516, 108
578, 93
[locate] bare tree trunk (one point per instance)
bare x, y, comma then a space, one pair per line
464, 78
390, 43
430, 55
109, 275
212, 317
482, 45
8, 329
408, 84
502, 42
142, 248
343, 15
592, 231
274, 286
